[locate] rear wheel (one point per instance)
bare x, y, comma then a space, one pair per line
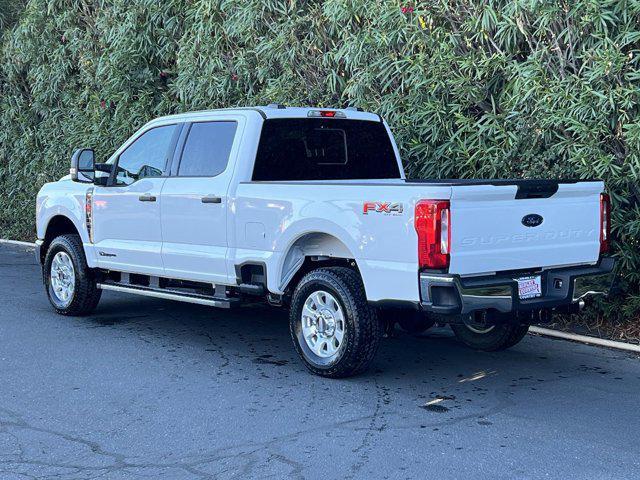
489, 338
334, 330
71, 286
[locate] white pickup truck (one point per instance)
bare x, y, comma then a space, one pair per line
310, 209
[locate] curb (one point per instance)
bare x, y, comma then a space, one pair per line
17, 242
600, 342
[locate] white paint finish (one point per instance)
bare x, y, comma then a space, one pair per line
384, 246
303, 112
268, 112
254, 233
487, 234
194, 233
261, 222
390, 280
128, 228
65, 198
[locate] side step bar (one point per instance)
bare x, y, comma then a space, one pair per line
169, 295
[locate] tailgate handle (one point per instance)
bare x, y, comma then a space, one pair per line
536, 189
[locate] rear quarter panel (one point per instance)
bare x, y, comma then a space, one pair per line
271, 216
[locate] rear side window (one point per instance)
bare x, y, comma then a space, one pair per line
324, 149
206, 151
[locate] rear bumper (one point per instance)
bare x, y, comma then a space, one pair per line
563, 287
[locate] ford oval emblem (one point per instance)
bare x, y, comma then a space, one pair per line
532, 220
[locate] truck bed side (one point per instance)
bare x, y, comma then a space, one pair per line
272, 218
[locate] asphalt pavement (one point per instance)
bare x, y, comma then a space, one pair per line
147, 388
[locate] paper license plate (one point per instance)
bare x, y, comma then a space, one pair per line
529, 287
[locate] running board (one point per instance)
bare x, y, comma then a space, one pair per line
181, 297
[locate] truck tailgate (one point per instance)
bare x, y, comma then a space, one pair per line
492, 230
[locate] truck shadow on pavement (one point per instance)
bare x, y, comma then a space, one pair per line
258, 336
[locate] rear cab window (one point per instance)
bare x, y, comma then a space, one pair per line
324, 149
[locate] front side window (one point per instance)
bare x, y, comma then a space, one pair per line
146, 157
207, 149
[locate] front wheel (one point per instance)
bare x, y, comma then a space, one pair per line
489, 338
70, 284
334, 330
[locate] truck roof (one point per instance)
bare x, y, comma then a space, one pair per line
276, 111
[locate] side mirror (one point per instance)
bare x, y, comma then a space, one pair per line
82, 165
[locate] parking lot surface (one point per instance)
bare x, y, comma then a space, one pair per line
147, 388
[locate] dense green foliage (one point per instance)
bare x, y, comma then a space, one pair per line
493, 88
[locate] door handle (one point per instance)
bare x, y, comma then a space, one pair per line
211, 199
147, 198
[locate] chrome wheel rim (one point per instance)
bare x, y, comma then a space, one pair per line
323, 324
479, 327
480, 330
63, 278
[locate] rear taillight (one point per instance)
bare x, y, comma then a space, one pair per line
433, 225
605, 222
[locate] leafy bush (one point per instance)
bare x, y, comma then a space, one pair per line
8, 12
497, 88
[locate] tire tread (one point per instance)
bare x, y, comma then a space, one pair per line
87, 294
368, 329
504, 336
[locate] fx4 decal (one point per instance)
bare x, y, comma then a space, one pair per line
382, 207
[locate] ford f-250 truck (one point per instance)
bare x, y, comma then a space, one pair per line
310, 209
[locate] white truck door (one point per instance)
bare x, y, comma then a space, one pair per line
126, 213
194, 202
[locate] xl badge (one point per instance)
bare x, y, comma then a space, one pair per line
532, 220
382, 207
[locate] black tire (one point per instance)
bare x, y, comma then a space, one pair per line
362, 330
86, 294
500, 337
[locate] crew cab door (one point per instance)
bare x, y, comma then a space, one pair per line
126, 213
195, 203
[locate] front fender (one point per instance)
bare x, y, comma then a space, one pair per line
67, 199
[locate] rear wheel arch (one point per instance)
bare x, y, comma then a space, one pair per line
310, 251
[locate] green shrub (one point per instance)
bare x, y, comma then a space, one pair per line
522, 88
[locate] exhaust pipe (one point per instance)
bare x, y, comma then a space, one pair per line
573, 308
